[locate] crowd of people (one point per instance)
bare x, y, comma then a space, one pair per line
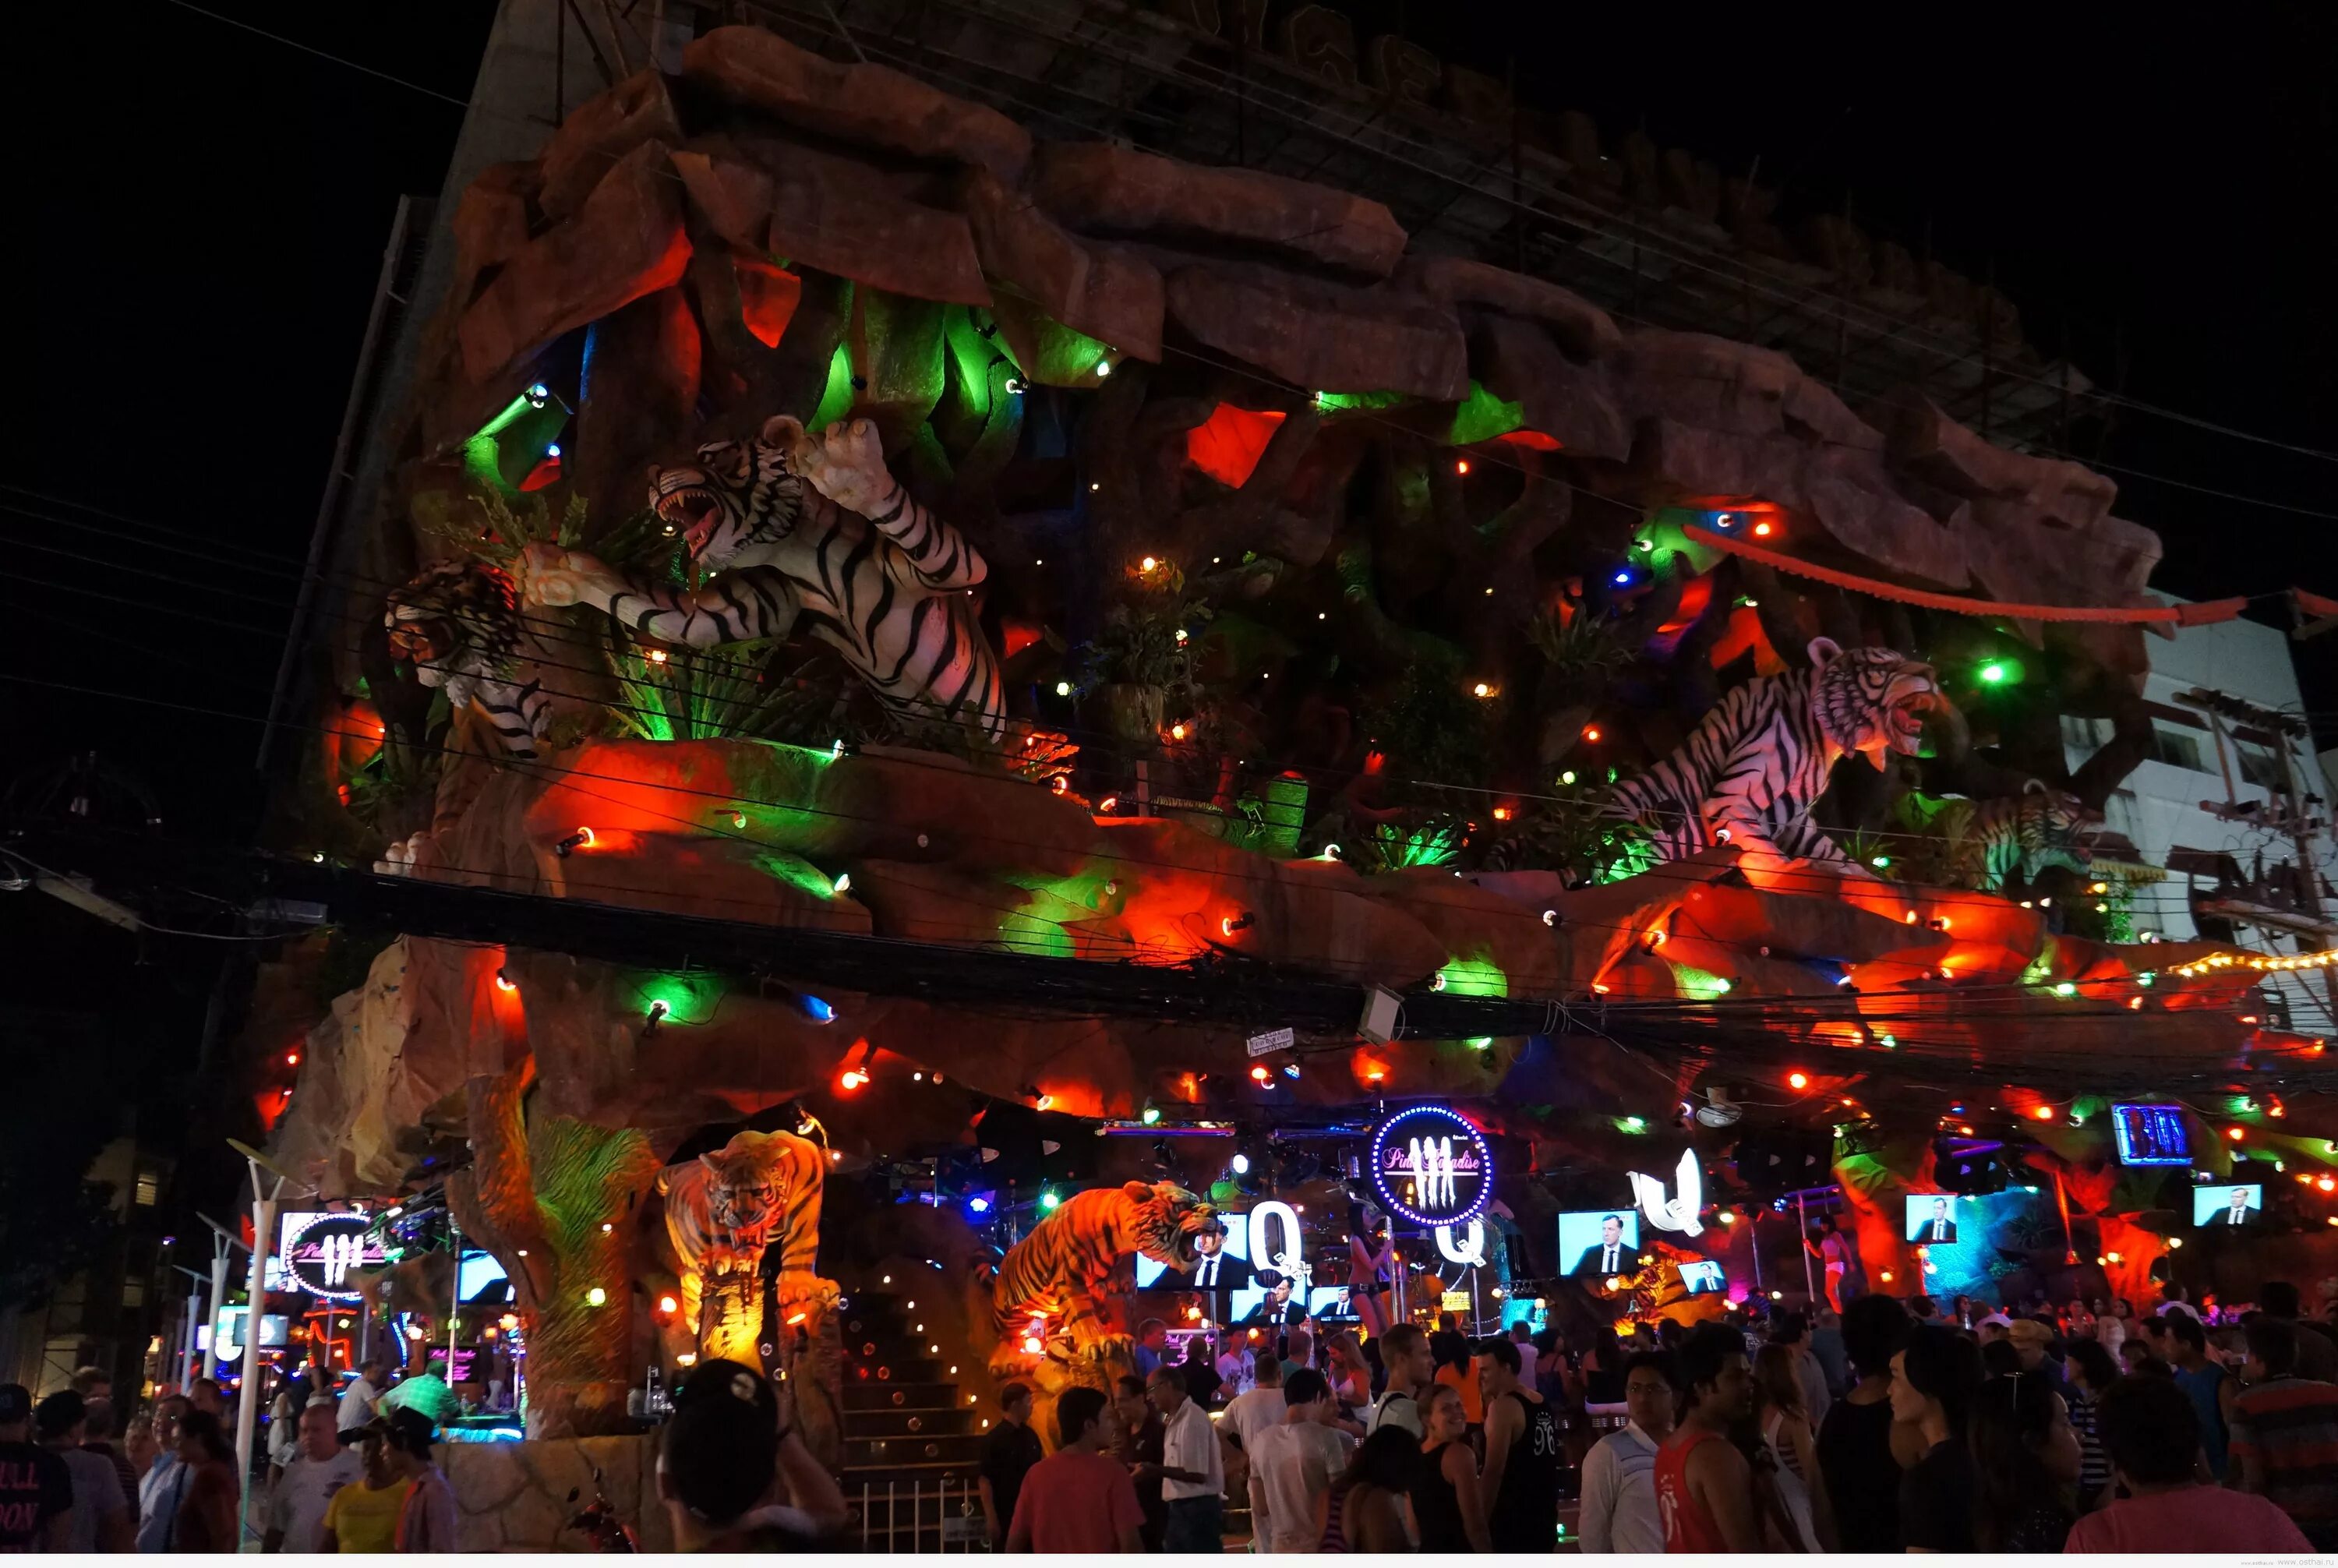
1897, 1428
1416, 1441
1890, 1425
348, 1471
355, 1470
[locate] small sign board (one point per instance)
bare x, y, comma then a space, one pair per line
1274, 1040
1454, 1301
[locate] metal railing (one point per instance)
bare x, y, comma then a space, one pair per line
964, 1530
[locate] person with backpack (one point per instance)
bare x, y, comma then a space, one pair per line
1412, 1373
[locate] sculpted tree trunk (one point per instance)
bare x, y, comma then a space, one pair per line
544, 1195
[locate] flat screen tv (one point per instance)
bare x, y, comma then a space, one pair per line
2227, 1205
1583, 1240
1934, 1219
2151, 1135
1702, 1278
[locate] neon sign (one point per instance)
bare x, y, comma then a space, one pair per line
1432, 1166
1678, 1211
318, 1252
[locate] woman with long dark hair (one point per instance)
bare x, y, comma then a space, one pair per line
1933, 1381
2025, 1453
1791, 1450
1367, 1512
2092, 1369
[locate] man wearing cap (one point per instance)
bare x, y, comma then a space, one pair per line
1992, 1327
428, 1521
36, 1487
2034, 1341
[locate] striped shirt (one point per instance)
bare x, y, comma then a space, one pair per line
2094, 1459
1619, 1494
2289, 1427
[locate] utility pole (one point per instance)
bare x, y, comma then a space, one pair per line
266, 1193
223, 1239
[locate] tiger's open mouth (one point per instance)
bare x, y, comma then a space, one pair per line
694, 511
1908, 712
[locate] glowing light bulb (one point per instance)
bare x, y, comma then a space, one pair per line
1240, 1164
1461, 466
1798, 1080
596, 1296
668, 1304
1147, 564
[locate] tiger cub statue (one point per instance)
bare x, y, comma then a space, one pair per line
460, 625
2018, 836
723, 1211
1754, 766
1052, 1287
457, 624
790, 529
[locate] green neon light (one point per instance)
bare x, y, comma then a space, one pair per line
502, 452
836, 399
685, 998
1354, 402
1701, 984
1474, 977
1482, 416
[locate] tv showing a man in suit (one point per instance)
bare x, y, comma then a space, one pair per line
1931, 1219
2220, 1208
1599, 1243
1220, 1269
1280, 1304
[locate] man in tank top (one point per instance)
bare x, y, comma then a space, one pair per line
1523, 1454
1705, 1487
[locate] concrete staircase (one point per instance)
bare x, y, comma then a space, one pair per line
912, 1440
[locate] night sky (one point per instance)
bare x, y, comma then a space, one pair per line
211, 206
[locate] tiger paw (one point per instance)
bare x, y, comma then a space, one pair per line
845, 463
808, 1294
556, 578
402, 856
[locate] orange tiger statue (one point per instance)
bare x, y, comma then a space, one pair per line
724, 1211
1052, 1287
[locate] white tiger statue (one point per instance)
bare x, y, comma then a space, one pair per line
1754, 766
793, 527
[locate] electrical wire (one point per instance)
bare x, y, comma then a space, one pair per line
569, 634
1965, 996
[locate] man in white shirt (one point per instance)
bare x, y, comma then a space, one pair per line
1619, 1486
1193, 1475
1237, 1367
359, 1397
1522, 1336
1248, 1414
297, 1502
1411, 1370
1293, 1465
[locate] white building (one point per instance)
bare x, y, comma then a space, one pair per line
2223, 802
